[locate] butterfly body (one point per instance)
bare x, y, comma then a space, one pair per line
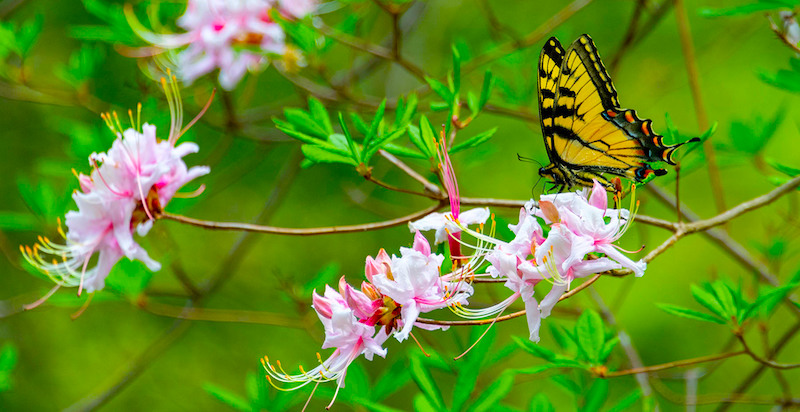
586, 132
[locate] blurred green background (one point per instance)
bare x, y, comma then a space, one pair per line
50, 125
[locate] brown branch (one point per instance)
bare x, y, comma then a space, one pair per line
217, 315
247, 227
399, 189
742, 208
670, 365
766, 362
567, 295
529, 40
430, 187
369, 48
700, 111
750, 379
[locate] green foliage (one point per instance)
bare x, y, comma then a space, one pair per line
749, 8
727, 305
8, 360
258, 397
785, 79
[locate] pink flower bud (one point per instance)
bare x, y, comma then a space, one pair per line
322, 306
421, 244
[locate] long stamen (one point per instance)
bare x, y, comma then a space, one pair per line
42, 299
199, 115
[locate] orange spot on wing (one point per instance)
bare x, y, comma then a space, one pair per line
611, 113
645, 129
629, 117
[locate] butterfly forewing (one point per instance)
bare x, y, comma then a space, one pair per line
585, 131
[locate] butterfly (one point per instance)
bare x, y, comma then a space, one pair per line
586, 133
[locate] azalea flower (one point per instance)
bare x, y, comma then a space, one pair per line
234, 36
443, 223
413, 281
580, 226
344, 332
128, 186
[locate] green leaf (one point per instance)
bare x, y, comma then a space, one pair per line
486, 89
373, 128
410, 110
425, 382
540, 403
596, 396
492, 396
566, 383
356, 156
428, 136
440, 106
297, 135
392, 380
708, 300
787, 170
690, 314
456, 71
473, 141
357, 380
403, 151
768, 299
320, 114
28, 34
591, 335
562, 337
359, 123
323, 154
608, 347
8, 360
18, 221
303, 122
759, 6
472, 103
627, 401
470, 365
725, 299
535, 350
229, 398
440, 89
423, 404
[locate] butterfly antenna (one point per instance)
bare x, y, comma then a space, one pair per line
528, 159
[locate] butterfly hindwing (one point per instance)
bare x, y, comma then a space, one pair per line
586, 133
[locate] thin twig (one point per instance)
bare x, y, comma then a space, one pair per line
247, 227
218, 315
673, 364
764, 361
700, 111
750, 379
430, 187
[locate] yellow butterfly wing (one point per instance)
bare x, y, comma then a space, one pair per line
586, 133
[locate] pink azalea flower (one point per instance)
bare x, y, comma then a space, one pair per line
297, 8
344, 332
131, 182
444, 222
234, 36
413, 281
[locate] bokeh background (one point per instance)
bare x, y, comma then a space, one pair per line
129, 335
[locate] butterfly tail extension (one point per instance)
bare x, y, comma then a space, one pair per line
654, 148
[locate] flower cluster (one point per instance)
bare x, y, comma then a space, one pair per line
358, 322
581, 228
127, 188
233, 36
579, 242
